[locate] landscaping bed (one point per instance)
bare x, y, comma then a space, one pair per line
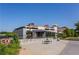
72, 38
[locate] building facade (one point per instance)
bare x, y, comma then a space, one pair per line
33, 31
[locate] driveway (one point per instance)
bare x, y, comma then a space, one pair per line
72, 48
35, 47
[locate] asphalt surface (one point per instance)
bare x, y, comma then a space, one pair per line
72, 48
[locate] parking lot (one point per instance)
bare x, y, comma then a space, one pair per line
37, 47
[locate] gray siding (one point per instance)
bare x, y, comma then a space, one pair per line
19, 33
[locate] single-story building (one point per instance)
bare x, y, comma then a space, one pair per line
33, 31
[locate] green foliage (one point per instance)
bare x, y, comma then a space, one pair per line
12, 48
59, 35
71, 34
68, 33
9, 49
65, 33
72, 38
77, 29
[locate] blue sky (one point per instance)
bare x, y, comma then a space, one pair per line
16, 15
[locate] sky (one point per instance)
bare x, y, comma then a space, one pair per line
20, 14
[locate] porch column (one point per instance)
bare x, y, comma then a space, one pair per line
44, 34
34, 35
24, 34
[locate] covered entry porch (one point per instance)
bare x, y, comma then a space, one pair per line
42, 34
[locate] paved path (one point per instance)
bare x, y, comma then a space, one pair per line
72, 48
35, 47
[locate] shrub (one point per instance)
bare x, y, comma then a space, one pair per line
11, 49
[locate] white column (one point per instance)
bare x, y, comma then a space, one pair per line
44, 34
34, 35
56, 31
24, 33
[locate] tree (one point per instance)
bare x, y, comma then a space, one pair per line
77, 28
68, 32
72, 32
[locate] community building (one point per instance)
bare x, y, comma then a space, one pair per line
33, 31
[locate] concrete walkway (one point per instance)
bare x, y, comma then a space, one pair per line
35, 47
